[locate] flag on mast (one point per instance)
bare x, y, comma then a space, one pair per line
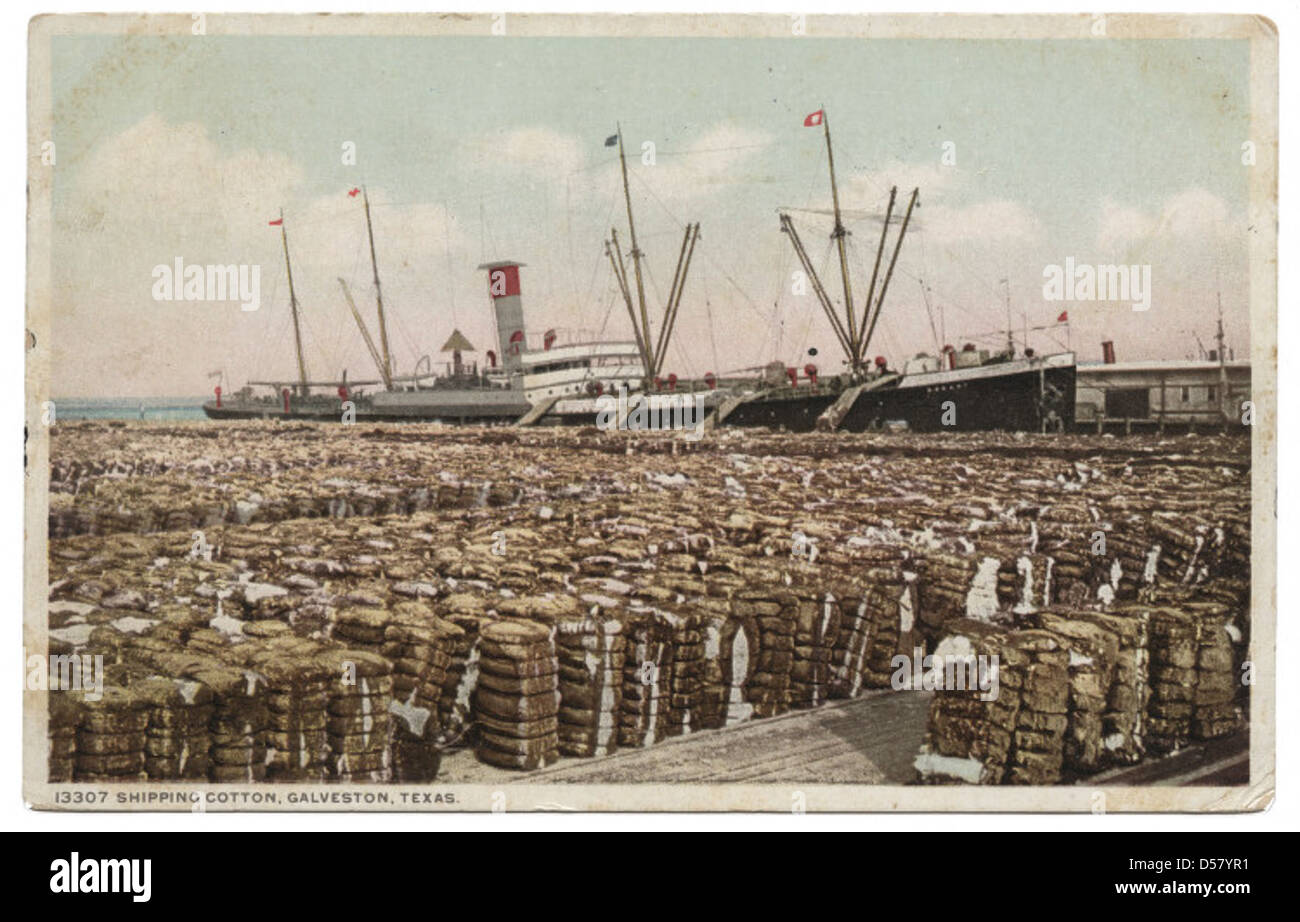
611, 141
276, 223
1064, 318
813, 120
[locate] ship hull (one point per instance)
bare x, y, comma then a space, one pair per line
792, 411
477, 406
1024, 396
1022, 401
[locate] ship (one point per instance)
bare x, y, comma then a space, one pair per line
970, 389
524, 381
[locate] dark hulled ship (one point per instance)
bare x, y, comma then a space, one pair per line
969, 389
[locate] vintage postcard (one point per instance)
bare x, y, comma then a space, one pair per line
652, 413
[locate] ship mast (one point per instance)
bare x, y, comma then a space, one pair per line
653, 350
1223, 369
636, 260
379, 297
854, 336
840, 235
365, 334
293, 304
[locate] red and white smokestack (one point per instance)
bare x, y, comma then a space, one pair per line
811, 371
793, 375
503, 288
285, 394
218, 393
1108, 352
711, 380
548, 340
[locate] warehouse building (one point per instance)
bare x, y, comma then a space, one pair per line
1174, 395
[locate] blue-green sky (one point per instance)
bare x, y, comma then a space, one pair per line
484, 148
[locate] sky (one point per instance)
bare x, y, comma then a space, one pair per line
480, 149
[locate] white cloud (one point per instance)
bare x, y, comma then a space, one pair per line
158, 191
539, 151
1192, 215
995, 220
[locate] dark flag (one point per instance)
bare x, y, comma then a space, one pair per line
611, 141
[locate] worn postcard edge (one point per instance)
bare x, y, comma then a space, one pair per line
522, 795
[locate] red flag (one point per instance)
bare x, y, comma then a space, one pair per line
1064, 318
276, 223
352, 193
813, 120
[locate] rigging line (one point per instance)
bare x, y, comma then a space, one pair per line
712, 150
568, 233
706, 251
596, 265
611, 298
678, 221
450, 287
708, 310
949, 299
961, 263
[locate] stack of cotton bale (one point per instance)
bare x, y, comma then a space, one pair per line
361, 627
955, 586
1132, 556
455, 707
1093, 652
686, 683
647, 678
1185, 546
418, 648
297, 692
1174, 644
1218, 681
774, 611
64, 717
358, 726
591, 653
178, 736
858, 605
517, 699
239, 720
1064, 538
970, 733
1124, 719
111, 736
1038, 749
1025, 583
730, 648
817, 628
884, 624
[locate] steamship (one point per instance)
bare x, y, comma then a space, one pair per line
546, 383
516, 381
550, 383
970, 389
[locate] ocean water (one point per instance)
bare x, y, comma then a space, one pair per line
146, 408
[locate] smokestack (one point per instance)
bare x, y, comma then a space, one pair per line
1108, 352
503, 287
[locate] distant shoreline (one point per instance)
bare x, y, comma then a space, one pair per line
148, 408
